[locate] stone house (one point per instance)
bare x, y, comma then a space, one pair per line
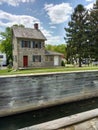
29, 49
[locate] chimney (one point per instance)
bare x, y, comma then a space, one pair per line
36, 26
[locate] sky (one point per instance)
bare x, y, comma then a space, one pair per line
52, 16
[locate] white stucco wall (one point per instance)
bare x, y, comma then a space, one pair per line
56, 60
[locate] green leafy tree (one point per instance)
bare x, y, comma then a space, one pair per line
76, 35
49, 47
6, 43
57, 48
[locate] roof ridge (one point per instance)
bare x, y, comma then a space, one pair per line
24, 32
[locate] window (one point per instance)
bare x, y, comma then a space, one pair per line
36, 58
36, 44
51, 58
39, 44
1, 56
26, 44
46, 58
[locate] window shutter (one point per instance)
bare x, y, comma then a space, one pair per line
22, 43
39, 44
33, 44
29, 42
33, 57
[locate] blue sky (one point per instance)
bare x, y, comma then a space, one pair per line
51, 15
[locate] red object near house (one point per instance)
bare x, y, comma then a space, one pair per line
25, 61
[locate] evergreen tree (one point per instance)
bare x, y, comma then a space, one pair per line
93, 31
76, 34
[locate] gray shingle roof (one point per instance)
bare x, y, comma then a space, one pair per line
21, 32
52, 53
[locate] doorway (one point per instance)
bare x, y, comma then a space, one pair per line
56, 60
25, 61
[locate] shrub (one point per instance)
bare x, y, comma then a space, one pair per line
9, 67
62, 63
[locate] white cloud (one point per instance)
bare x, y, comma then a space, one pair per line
55, 40
53, 27
89, 0
91, 3
7, 19
58, 13
51, 39
15, 2
89, 6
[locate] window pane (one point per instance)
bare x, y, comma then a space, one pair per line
36, 58
39, 44
1, 56
33, 44
36, 45
51, 58
25, 43
22, 43
29, 44
46, 58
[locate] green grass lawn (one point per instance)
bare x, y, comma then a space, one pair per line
47, 70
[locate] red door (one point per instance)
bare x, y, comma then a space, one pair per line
25, 61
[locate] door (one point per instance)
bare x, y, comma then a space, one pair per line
25, 61
56, 60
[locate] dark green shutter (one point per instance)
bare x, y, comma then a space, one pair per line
29, 42
39, 44
33, 57
33, 44
22, 43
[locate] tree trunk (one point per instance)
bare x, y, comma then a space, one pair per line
80, 65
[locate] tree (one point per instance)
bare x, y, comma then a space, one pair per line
76, 34
57, 48
6, 42
93, 30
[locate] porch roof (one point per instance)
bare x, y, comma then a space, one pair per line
47, 52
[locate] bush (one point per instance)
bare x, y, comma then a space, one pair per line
62, 63
9, 67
